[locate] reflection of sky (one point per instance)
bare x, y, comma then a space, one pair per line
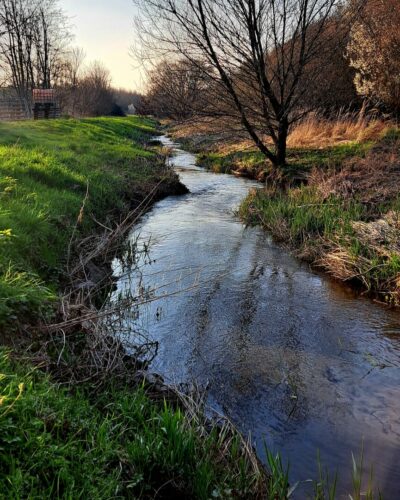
290, 356
104, 29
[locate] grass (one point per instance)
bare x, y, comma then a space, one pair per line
299, 215
300, 161
341, 208
46, 167
316, 131
345, 219
55, 443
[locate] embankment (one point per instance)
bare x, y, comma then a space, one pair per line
60, 178
95, 426
344, 220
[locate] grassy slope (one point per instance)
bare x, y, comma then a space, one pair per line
71, 442
45, 168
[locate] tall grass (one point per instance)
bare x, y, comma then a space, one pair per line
317, 131
299, 215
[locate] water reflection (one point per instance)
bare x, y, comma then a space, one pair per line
289, 355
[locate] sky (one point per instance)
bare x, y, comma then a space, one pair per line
105, 31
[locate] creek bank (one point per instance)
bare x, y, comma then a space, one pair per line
339, 211
63, 180
344, 221
100, 425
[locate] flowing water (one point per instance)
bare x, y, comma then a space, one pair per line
290, 356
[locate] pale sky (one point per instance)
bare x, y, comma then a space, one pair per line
104, 29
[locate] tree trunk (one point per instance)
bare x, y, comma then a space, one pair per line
281, 143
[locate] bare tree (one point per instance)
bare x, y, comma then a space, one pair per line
68, 80
51, 42
74, 63
95, 93
175, 89
33, 39
255, 52
16, 47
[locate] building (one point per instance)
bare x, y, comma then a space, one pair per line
45, 104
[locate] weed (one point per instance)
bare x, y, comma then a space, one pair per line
58, 443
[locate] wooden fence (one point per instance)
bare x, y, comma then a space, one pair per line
44, 105
11, 107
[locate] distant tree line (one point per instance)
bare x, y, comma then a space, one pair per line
36, 52
262, 65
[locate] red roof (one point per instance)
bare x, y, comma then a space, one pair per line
43, 95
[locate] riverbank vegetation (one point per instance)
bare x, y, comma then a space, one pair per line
57, 179
340, 204
97, 424
344, 219
266, 85
115, 443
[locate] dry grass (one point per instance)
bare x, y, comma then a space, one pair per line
372, 180
319, 132
370, 252
315, 131
208, 134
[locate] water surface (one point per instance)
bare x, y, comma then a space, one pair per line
288, 355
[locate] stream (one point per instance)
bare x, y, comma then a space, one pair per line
292, 357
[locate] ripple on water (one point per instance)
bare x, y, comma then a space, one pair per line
291, 356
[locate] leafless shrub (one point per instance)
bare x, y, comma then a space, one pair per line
174, 89
374, 51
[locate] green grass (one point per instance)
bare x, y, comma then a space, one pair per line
299, 160
226, 163
313, 226
56, 443
45, 169
300, 214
